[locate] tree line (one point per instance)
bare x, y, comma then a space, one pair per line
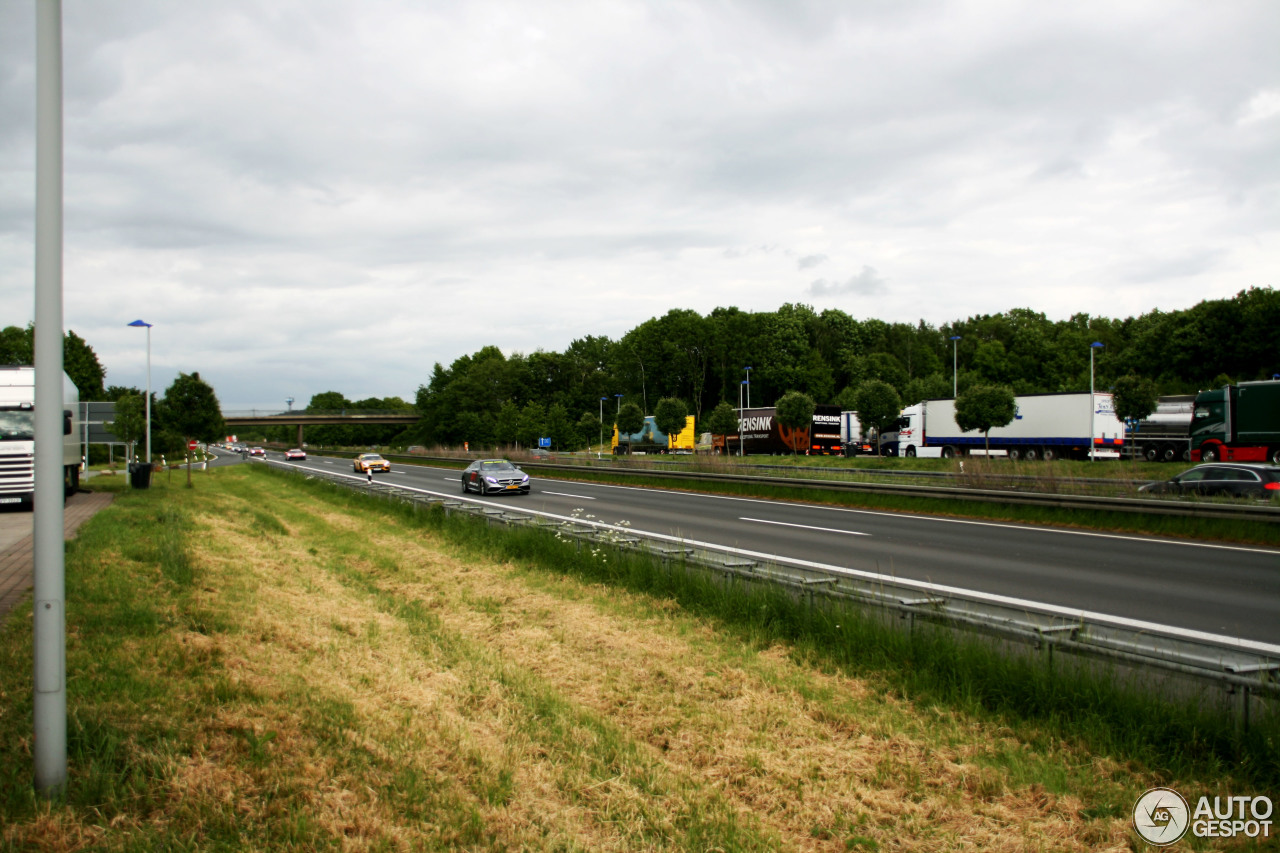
574, 397
488, 398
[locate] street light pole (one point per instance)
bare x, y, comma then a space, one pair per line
1093, 404
748, 369
602, 399
148, 325
954, 378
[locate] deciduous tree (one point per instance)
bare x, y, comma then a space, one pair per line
190, 409
984, 407
878, 406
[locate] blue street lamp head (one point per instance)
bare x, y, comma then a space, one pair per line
140, 323
954, 338
1096, 345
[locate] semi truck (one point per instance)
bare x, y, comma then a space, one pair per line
1045, 426
18, 435
1165, 434
759, 433
650, 439
853, 437
1237, 423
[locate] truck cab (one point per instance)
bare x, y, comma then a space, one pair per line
17, 435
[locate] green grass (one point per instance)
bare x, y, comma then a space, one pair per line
198, 723
1107, 713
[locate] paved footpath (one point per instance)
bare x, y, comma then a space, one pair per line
16, 541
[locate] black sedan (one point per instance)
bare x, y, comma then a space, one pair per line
1239, 479
494, 476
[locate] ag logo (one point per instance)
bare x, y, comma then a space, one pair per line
1161, 816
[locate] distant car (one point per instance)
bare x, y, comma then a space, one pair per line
366, 462
257, 451
540, 453
290, 455
494, 475
1232, 479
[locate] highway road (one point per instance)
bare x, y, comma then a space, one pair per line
1219, 589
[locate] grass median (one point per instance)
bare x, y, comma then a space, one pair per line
268, 663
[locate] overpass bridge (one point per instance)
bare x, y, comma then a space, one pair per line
346, 417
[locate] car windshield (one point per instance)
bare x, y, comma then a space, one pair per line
371, 457
498, 466
17, 425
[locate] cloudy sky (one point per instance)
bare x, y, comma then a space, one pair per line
313, 195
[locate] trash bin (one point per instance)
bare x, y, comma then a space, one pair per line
140, 475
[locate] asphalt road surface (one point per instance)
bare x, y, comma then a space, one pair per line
1220, 589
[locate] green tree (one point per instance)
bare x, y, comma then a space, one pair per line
722, 421
670, 415
878, 406
590, 428
190, 409
533, 420
560, 429
507, 428
795, 410
984, 407
130, 424
1134, 398
630, 421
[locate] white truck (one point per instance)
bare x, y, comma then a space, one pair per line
1045, 426
853, 437
18, 435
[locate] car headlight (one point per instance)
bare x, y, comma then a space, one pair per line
491, 480
525, 478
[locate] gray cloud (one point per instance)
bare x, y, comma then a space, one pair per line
866, 283
265, 178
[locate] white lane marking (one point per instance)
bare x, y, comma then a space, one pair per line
1022, 603
801, 526
567, 495
1186, 543
450, 479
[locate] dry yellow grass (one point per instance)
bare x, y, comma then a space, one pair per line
557, 714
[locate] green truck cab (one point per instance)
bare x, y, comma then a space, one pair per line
1237, 423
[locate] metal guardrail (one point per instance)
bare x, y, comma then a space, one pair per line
1249, 671
1186, 508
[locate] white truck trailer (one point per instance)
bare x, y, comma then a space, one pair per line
1045, 426
852, 436
18, 435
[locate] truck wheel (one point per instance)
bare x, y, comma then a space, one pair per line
1275, 456
1050, 454
1031, 454
1209, 453
71, 483
1151, 453
911, 452
948, 452
1168, 454
1014, 454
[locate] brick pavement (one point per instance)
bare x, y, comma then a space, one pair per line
16, 541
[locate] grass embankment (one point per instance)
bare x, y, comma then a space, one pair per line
263, 663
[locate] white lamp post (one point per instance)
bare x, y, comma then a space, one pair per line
1093, 404
148, 325
954, 378
748, 369
602, 399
